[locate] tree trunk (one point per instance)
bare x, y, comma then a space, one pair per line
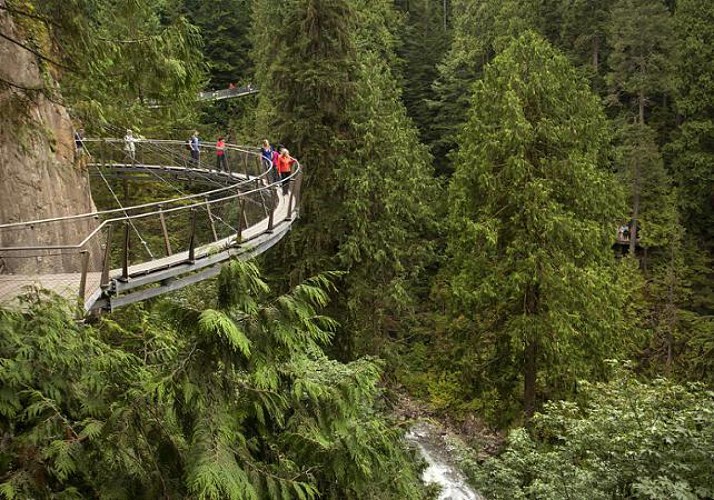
635, 206
530, 355
596, 54
530, 369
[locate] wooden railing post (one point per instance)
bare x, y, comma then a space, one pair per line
165, 231
106, 260
192, 238
125, 254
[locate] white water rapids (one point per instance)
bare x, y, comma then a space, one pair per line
440, 468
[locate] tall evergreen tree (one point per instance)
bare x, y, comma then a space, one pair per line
481, 29
693, 149
531, 216
583, 33
424, 40
640, 37
225, 26
691, 155
368, 185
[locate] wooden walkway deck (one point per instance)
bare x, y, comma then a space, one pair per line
157, 276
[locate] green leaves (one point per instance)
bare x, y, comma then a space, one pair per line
531, 214
212, 322
235, 402
621, 439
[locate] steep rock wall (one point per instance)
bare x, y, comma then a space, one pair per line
39, 177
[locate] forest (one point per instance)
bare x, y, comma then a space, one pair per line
507, 218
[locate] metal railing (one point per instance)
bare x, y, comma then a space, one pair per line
217, 95
98, 255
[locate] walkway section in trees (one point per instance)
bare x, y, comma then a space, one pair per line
113, 257
216, 95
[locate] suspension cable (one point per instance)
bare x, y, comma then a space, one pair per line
126, 214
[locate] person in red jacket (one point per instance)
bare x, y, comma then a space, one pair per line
285, 166
221, 162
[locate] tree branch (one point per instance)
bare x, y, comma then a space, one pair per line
35, 52
30, 15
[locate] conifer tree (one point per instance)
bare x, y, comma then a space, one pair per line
692, 151
640, 37
368, 183
424, 40
233, 399
531, 219
224, 28
691, 157
481, 29
113, 57
583, 33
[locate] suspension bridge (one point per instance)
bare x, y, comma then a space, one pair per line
136, 250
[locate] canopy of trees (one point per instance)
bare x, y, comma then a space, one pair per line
468, 164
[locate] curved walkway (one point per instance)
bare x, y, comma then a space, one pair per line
110, 258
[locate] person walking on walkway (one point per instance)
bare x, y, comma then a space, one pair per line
285, 165
130, 145
78, 144
221, 161
195, 146
266, 151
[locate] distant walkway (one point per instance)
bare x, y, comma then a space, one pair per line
110, 258
216, 95
219, 95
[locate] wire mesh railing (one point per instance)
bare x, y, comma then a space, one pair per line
86, 255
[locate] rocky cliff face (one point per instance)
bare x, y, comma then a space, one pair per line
39, 177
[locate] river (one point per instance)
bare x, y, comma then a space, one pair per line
440, 470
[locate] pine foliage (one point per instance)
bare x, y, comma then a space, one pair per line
236, 402
624, 439
532, 212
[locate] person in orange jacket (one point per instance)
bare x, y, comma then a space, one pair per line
285, 166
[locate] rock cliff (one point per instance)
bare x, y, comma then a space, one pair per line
39, 177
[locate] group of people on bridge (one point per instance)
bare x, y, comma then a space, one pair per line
277, 157
626, 231
282, 161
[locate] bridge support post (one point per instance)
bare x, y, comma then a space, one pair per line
291, 200
210, 218
192, 238
271, 215
298, 193
125, 254
83, 278
164, 231
104, 280
241, 213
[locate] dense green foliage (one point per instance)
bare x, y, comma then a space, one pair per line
623, 439
531, 212
111, 58
234, 399
467, 165
330, 95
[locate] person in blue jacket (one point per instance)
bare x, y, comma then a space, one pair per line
195, 145
267, 151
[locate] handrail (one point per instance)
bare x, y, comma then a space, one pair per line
141, 216
98, 213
